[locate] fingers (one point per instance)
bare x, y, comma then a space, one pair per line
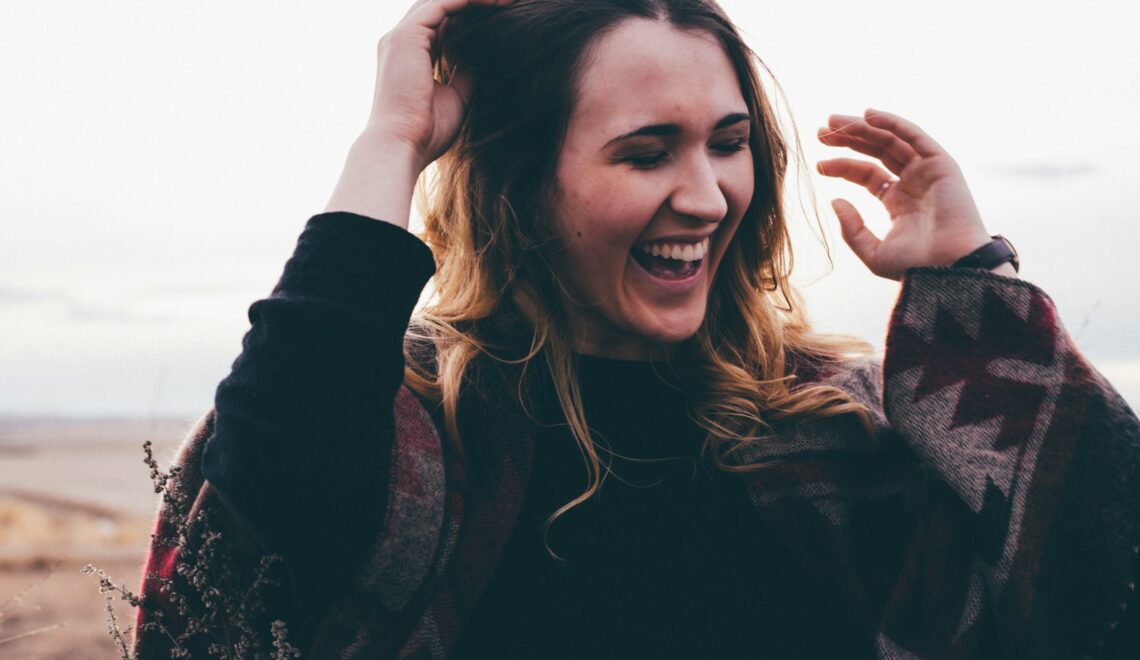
869, 175
855, 133
861, 240
923, 144
462, 84
432, 13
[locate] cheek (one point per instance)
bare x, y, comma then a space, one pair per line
606, 218
742, 185
739, 191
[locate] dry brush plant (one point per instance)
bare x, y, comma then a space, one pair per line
213, 604
16, 604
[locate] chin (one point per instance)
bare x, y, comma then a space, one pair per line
672, 328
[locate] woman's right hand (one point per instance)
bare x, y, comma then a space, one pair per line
409, 106
414, 118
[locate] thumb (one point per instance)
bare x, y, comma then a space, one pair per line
449, 106
461, 82
861, 240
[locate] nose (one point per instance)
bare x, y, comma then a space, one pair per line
697, 193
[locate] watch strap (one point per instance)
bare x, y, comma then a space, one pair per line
991, 255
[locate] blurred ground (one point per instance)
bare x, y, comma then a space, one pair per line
72, 493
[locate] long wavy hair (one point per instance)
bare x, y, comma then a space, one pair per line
487, 219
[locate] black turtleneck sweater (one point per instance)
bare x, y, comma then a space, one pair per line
669, 560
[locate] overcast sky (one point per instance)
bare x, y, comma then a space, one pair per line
158, 159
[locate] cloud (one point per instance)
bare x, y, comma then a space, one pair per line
86, 313
73, 308
13, 296
209, 289
1048, 171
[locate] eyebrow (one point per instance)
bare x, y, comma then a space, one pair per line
665, 130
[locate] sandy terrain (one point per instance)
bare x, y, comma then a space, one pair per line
72, 493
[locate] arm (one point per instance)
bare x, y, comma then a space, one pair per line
296, 451
304, 420
1029, 533
1032, 508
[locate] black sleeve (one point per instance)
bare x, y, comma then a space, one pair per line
304, 424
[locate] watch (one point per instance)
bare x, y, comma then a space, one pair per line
991, 255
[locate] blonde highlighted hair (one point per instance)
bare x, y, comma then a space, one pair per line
487, 222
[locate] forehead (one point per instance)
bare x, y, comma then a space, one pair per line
646, 71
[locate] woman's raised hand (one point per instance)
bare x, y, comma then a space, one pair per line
934, 220
414, 117
409, 105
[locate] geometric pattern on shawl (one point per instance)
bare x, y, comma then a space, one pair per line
1032, 509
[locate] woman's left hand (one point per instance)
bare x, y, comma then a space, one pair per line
934, 221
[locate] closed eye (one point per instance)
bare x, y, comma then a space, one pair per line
646, 161
650, 160
732, 146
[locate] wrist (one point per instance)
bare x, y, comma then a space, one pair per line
1004, 269
378, 180
996, 255
397, 154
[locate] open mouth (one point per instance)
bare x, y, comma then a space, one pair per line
671, 261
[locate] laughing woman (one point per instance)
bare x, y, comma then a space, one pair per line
611, 432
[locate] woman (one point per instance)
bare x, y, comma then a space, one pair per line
611, 433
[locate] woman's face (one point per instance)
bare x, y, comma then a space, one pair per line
652, 181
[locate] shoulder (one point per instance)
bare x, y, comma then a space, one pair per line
861, 377
858, 377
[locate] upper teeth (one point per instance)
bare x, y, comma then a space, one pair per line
679, 251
